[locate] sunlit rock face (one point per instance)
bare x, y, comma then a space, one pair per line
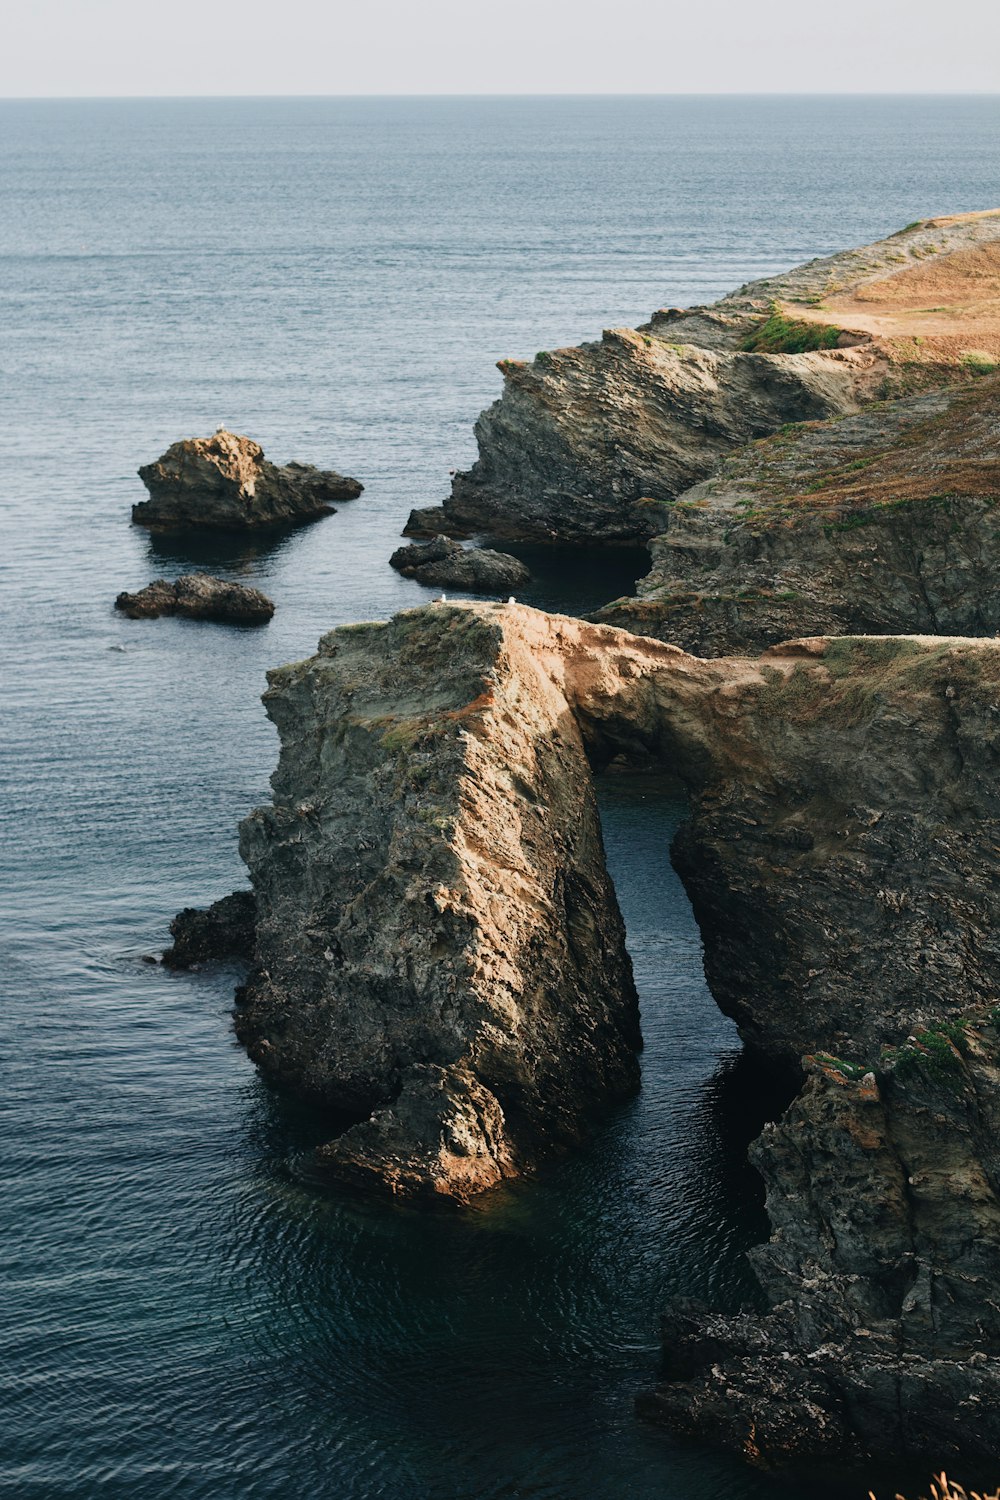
595, 442
224, 483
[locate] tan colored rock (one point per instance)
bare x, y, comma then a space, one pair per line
225, 483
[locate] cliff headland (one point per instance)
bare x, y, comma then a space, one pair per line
815, 453
436, 954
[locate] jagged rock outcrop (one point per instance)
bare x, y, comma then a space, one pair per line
225, 930
592, 443
447, 564
225, 483
883, 1269
439, 951
882, 522
198, 596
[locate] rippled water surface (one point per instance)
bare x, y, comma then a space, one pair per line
185, 1313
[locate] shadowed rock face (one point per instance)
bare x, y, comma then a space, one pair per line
439, 955
226, 930
448, 564
225, 483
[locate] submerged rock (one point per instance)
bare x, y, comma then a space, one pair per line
198, 596
224, 930
447, 564
225, 483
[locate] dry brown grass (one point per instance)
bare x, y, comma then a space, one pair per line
943, 1488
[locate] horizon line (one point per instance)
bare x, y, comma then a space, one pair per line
518, 94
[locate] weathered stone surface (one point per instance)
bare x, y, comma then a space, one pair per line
838, 786
225, 483
447, 564
586, 444
884, 1337
197, 596
224, 930
438, 944
883, 522
431, 521
593, 443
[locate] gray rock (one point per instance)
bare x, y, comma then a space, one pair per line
432, 521
225, 483
197, 596
225, 930
447, 564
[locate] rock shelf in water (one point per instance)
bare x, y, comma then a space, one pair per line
447, 564
198, 596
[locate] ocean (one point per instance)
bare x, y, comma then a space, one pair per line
186, 1311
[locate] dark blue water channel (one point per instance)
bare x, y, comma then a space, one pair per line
185, 1313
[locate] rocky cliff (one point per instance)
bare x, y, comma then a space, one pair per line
593, 443
884, 521
225, 483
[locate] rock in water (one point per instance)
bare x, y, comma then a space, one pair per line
431, 521
447, 564
198, 596
226, 930
455, 977
225, 483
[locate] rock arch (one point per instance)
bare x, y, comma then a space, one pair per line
440, 958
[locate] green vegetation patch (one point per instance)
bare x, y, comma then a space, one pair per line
932, 1055
779, 334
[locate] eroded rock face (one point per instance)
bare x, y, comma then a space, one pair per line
447, 564
225, 483
438, 943
884, 1336
225, 930
586, 444
198, 596
883, 522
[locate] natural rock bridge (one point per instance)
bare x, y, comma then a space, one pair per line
440, 961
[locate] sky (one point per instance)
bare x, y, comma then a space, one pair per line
64, 48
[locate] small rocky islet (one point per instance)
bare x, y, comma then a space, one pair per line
224, 483
197, 596
435, 950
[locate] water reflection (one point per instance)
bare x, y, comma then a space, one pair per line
235, 551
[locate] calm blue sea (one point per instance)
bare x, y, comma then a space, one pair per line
185, 1314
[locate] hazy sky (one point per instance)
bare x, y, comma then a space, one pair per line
99, 47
